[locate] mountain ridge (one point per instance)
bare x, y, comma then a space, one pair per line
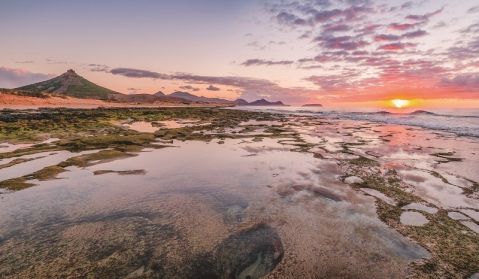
73, 85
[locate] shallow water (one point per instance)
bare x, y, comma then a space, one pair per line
412, 218
200, 208
244, 208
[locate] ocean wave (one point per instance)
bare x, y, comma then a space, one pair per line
461, 125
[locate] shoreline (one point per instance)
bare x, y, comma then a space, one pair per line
318, 167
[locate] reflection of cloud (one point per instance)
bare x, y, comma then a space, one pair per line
11, 78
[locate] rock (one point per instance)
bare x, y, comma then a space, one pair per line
353, 180
252, 253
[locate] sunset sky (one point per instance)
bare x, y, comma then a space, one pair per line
335, 52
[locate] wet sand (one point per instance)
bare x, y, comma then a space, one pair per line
304, 202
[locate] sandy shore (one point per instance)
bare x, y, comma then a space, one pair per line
10, 101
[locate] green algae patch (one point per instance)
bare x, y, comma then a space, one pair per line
363, 161
15, 162
452, 246
107, 141
46, 173
96, 158
19, 183
51, 172
29, 151
15, 184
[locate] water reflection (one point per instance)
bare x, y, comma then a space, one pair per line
200, 209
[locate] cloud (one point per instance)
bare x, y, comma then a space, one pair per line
323, 16
425, 17
290, 19
262, 62
396, 46
440, 24
25, 62
99, 68
391, 37
340, 42
384, 37
330, 28
473, 10
249, 88
465, 81
135, 73
350, 14
12, 78
364, 59
134, 90
414, 34
212, 88
403, 26
57, 61
189, 87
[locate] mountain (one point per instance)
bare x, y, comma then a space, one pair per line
137, 98
159, 94
144, 98
71, 84
263, 102
312, 105
193, 98
241, 102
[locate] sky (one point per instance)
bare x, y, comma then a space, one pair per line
334, 52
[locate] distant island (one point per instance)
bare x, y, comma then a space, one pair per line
312, 105
260, 102
423, 112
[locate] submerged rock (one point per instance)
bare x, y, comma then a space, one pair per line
248, 254
251, 254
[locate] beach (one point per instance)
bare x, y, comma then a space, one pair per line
227, 193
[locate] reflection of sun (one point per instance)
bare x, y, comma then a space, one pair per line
400, 103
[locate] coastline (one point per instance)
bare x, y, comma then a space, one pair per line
363, 179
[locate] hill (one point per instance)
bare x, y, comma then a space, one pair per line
312, 105
201, 99
73, 85
263, 102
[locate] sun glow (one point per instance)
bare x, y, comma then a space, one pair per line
400, 103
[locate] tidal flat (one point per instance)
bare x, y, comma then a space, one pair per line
224, 193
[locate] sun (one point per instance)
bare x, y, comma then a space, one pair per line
400, 103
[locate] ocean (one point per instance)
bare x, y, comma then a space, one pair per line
462, 122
